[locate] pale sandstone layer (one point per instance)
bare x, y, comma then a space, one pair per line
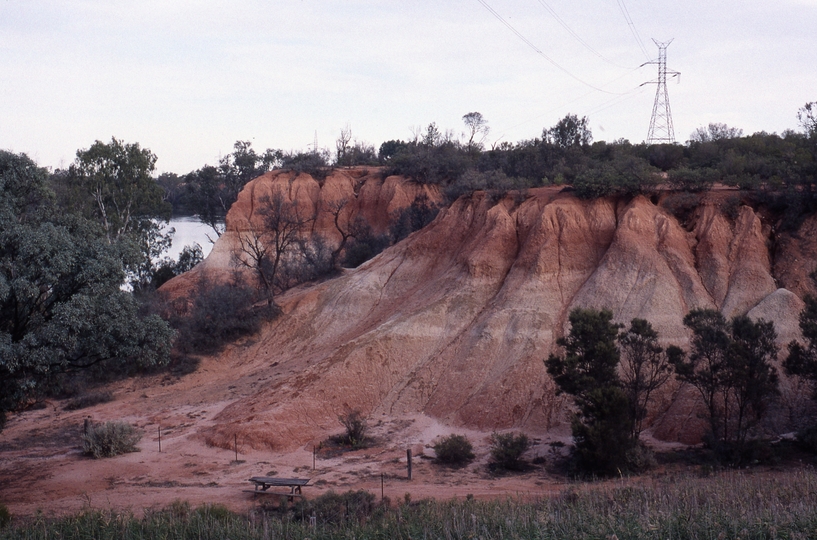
456, 320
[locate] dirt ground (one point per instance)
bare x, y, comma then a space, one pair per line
42, 468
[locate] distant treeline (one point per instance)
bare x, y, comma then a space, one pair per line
778, 168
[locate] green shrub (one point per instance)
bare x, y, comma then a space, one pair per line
507, 450
454, 450
110, 439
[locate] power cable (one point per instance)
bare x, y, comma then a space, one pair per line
624, 11
539, 51
576, 36
626, 95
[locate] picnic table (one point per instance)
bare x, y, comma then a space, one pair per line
263, 483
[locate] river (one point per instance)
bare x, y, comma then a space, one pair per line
189, 230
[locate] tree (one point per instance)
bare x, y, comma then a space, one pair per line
802, 358
112, 184
61, 306
645, 367
807, 116
730, 365
477, 129
715, 132
706, 366
213, 190
346, 230
569, 131
268, 250
117, 179
589, 372
753, 378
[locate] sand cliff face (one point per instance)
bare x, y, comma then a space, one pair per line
456, 320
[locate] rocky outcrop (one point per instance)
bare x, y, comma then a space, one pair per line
456, 320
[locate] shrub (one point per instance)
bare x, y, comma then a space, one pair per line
88, 401
5, 516
110, 439
807, 438
694, 180
356, 427
315, 163
507, 450
495, 183
420, 213
216, 512
454, 450
682, 206
336, 508
221, 313
365, 244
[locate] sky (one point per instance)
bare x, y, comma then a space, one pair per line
188, 78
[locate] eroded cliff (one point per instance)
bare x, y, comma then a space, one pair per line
455, 320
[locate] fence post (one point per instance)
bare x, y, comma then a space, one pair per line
408, 462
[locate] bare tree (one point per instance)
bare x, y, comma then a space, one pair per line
342, 144
266, 251
346, 232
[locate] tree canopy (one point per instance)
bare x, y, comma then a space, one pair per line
62, 308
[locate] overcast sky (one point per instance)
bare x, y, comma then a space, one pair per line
187, 78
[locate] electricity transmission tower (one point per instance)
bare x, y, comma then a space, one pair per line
661, 130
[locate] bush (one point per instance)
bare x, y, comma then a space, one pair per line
495, 183
315, 163
110, 439
5, 516
221, 313
454, 450
356, 427
807, 438
365, 245
694, 180
507, 450
420, 213
88, 401
336, 508
682, 206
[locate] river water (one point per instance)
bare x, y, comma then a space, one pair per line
189, 230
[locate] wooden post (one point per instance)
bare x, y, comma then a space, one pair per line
314, 454
86, 425
408, 462
382, 491
236, 446
160, 438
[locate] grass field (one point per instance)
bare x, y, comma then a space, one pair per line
730, 505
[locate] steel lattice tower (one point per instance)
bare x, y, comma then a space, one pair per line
661, 130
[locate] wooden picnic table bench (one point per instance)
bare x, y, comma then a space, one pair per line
263, 483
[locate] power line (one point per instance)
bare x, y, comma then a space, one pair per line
622, 97
576, 36
539, 51
624, 11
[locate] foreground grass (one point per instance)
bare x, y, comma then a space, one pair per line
733, 505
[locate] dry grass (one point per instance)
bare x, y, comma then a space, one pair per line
732, 505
